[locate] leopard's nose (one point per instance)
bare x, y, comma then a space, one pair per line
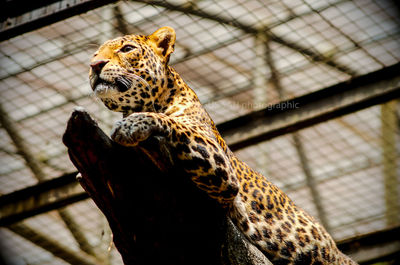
98, 65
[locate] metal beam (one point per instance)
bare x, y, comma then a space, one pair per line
13, 27
22, 147
40, 198
301, 112
378, 246
390, 165
297, 142
52, 246
13, 8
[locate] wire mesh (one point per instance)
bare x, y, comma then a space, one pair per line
239, 56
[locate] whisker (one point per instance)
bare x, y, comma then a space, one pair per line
136, 77
123, 83
94, 96
126, 81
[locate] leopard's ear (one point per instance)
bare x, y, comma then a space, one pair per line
164, 40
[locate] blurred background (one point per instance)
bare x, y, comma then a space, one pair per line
336, 153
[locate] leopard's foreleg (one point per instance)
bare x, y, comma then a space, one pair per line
201, 157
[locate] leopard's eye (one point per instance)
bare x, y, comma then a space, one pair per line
127, 48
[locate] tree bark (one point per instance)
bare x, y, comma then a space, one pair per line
157, 215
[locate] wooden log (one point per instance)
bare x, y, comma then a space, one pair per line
157, 215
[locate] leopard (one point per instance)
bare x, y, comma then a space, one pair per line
131, 75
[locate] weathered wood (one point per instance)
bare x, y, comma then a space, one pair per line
157, 215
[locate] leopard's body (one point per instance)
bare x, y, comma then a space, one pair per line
131, 75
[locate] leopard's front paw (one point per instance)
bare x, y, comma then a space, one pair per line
133, 129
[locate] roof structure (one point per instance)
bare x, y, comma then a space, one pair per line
305, 91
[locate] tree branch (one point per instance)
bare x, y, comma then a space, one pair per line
157, 215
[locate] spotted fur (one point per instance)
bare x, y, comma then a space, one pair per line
131, 75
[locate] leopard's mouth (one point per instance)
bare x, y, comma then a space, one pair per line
121, 84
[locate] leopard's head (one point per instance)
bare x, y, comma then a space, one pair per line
128, 73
